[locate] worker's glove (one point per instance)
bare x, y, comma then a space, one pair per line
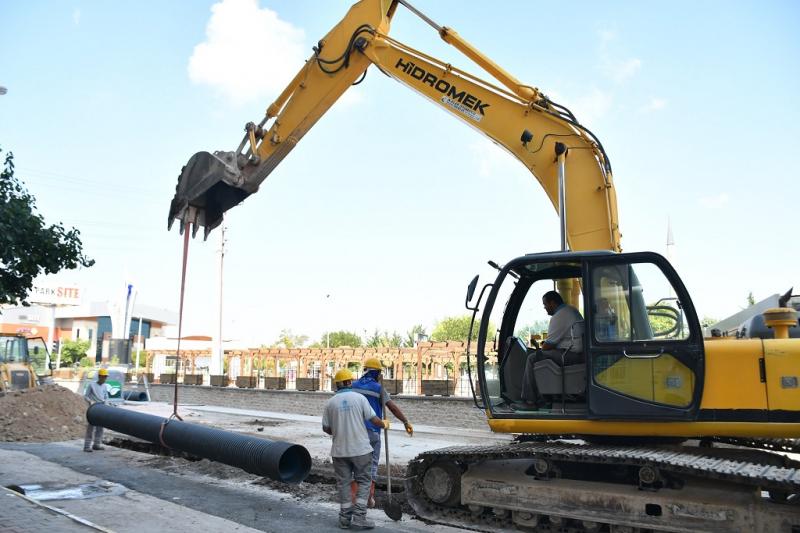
409, 429
386, 424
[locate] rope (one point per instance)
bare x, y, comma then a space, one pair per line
180, 325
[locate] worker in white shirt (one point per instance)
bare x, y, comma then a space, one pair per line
343, 418
96, 392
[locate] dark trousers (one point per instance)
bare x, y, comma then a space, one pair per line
530, 392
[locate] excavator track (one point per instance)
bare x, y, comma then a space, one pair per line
558, 486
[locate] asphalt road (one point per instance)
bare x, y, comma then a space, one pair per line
260, 508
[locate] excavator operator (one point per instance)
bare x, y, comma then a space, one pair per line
563, 345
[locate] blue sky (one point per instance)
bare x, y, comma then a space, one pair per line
388, 204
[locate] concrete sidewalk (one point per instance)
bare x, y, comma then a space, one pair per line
20, 515
130, 511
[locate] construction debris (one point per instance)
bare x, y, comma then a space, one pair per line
47, 413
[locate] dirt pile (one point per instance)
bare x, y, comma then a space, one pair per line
47, 413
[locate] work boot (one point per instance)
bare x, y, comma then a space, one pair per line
371, 498
361, 522
87, 450
345, 518
98, 447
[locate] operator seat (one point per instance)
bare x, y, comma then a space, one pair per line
563, 380
553, 379
514, 359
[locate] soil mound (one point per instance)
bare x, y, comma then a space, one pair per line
47, 413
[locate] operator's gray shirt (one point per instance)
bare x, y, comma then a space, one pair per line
345, 414
559, 333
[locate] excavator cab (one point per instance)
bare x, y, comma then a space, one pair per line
635, 352
22, 361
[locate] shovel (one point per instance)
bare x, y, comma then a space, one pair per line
392, 508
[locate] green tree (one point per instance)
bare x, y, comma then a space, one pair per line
538, 327
411, 335
87, 362
456, 328
28, 247
73, 351
339, 338
708, 321
384, 340
750, 300
287, 339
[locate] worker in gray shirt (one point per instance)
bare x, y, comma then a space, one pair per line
343, 418
96, 392
563, 345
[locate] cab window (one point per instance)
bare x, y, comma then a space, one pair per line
635, 302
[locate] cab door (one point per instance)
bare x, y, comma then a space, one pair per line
645, 345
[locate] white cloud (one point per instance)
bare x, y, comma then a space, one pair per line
591, 106
655, 104
715, 201
76, 16
617, 69
606, 36
492, 160
620, 70
249, 52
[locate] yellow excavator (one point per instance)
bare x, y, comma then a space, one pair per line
654, 428
22, 359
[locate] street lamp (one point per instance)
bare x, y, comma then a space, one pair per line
328, 332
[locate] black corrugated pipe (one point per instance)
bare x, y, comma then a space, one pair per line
134, 396
281, 461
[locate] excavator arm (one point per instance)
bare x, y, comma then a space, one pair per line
518, 117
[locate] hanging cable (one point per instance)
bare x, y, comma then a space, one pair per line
186, 234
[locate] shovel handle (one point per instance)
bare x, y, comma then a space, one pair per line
386, 443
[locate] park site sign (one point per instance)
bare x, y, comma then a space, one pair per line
55, 295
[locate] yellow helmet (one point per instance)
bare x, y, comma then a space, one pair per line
373, 363
343, 375
102, 372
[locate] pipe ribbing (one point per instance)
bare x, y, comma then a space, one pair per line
281, 461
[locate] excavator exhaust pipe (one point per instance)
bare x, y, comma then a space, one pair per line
209, 185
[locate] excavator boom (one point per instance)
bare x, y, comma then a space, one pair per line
517, 117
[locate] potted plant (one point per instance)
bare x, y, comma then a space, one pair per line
275, 383
438, 387
219, 380
307, 384
246, 382
193, 379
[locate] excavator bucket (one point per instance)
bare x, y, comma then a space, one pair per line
209, 185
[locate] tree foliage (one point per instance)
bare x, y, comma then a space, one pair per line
74, 351
538, 327
383, 339
287, 339
751, 301
456, 328
337, 339
411, 335
28, 247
